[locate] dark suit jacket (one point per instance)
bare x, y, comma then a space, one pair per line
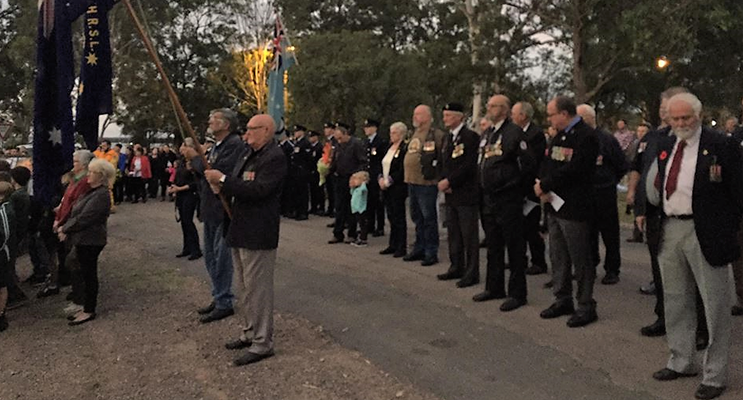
398, 189
375, 151
611, 163
88, 218
461, 169
504, 173
537, 143
222, 158
647, 153
255, 186
568, 171
717, 206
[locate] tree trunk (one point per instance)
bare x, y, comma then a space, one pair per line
474, 36
579, 82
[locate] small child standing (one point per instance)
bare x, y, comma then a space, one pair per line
359, 194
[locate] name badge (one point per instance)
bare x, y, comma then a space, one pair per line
458, 150
429, 146
249, 175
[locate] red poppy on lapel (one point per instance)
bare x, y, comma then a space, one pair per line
663, 155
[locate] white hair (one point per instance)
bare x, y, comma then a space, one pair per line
689, 99
589, 111
83, 157
399, 126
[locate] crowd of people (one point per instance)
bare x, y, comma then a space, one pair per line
510, 177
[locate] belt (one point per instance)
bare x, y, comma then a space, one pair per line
684, 217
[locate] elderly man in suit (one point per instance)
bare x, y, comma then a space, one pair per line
699, 188
459, 184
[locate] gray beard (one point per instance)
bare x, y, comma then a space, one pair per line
685, 133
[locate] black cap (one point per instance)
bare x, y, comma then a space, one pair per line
329, 125
454, 107
342, 125
371, 122
299, 128
313, 133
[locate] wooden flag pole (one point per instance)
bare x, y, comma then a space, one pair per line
172, 94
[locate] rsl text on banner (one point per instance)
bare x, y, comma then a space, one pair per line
94, 90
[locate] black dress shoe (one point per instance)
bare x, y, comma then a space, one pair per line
667, 374
194, 256
399, 254
3, 322
47, 291
511, 304
331, 225
635, 240
207, 309
705, 392
736, 311
548, 284
238, 344
413, 257
557, 310
250, 358
335, 240
76, 322
657, 328
536, 270
467, 282
610, 279
216, 315
388, 250
648, 290
378, 233
302, 218
582, 318
428, 261
181, 255
483, 244
487, 295
449, 275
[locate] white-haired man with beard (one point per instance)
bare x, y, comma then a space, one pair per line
699, 187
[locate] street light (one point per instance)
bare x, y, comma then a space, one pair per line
662, 62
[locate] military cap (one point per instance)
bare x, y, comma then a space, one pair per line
329, 125
371, 122
299, 128
457, 107
313, 133
342, 125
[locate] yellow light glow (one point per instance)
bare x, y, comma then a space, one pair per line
662, 63
290, 48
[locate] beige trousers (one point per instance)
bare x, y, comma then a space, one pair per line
253, 283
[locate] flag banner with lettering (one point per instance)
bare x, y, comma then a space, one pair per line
282, 60
54, 135
94, 90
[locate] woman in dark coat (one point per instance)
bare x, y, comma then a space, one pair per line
394, 190
186, 190
86, 230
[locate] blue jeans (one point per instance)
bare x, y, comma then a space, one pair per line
423, 213
218, 260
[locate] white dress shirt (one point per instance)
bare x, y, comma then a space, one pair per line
680, 201
455, 132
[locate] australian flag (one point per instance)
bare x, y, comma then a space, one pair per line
54, 139
282, 60
94, 91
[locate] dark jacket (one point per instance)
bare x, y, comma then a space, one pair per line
537, 145
568, 171
87, 222
350, 157
185, 177
301, 163
459, 165
255, 187
717, 206
222, 157
504, 158
611, 163
375, 151
21, 203
647, 153
397, 173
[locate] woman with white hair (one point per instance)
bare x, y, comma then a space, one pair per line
85, 229
395, 190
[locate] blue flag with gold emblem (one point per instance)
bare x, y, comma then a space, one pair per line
54, 134
282, 60
94, 91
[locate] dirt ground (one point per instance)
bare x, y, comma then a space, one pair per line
147, 344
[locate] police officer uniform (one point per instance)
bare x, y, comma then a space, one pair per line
300, 169
317, 197
376, 148
504, 160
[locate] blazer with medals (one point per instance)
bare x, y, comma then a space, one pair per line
255, 188
398, 188
504, 158
717, 196
568, 169
375, 151
459, 165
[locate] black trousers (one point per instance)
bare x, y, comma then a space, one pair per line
360, 219
504, 229
394, 201
606, 223
317, 195
300, 195
119, 189
375, 207
464, 241
88, 257
187, 204
343, 214
330, 189
137, 185
534, 238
